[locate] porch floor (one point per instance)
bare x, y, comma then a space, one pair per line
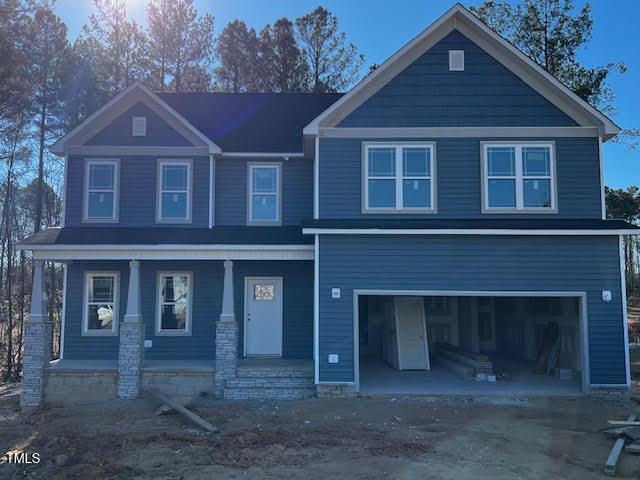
275, 362
378, 377
148, 365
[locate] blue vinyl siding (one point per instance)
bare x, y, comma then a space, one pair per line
427, 94
580, 264
159, 132
458, 179
138, 191
208, 277
231, 190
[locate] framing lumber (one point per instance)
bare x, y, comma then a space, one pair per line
188, 414
612, 460
624, 423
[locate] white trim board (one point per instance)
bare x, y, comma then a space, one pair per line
457, 132
461, 19
584, 319
182, 252
468, 231
316, 309
136, 92
625, 317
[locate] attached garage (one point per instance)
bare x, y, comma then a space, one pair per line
471, 342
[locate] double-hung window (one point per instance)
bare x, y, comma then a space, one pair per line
264, 193
399, 178
174, 303
100, 316
174, 191
101, 191
519, 177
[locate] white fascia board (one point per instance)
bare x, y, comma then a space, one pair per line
470, 231
172, 252
458, 17
263, 154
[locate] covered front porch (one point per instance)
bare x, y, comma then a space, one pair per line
176, 323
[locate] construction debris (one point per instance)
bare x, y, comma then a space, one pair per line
188, 414
623, 435
463, 363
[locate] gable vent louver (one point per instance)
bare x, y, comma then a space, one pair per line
456, 60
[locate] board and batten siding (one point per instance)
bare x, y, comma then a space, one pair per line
159, 132
231, 189
471, 263
138, 192
459, 179
485, 94
208, 279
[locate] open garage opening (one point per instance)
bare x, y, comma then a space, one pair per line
493, 344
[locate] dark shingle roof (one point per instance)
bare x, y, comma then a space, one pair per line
474, 224
251, 122
229, 235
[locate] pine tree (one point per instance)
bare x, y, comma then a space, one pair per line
237, 51
334, 63
282, 65
180, 45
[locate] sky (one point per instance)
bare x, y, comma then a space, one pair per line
380, 27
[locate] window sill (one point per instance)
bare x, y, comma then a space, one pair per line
170, 333
403, 211
547, 211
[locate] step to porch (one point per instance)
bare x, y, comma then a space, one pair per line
276, 380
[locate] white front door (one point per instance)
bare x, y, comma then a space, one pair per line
413, 349
263, 316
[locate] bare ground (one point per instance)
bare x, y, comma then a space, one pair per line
364, 438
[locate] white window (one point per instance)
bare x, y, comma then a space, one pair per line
174, 191
174, 304
101, 191
100, 315
139, 126
264, 193
399, 178
456, 60
519, 178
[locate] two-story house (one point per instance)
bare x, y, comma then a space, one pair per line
444, 218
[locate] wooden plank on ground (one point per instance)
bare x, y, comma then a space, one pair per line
612, 460
624, 423
188, 414
633, 448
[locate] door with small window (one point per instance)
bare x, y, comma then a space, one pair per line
263, 316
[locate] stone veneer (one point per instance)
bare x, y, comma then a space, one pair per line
226, 354
335, 390
130, 358
620, 394
34, 361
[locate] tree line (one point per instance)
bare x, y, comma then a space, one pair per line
49, 83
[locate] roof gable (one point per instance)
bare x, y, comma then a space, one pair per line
485, 94
461, 19
119, 105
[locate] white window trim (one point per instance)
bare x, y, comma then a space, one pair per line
85, 305
278, 193
179, 162
174, 333
399, 208
519, 208
139, 126
116, 189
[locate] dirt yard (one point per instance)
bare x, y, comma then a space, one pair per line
364, 438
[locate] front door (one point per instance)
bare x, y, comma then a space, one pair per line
263, 316
413, 349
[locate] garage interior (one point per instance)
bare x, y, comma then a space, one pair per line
470, 344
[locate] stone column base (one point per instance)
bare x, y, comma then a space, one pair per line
130, 358
34, 361
618, 394
335, 390
226, 354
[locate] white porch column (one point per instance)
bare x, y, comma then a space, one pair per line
37, 347
131, 352
226, 335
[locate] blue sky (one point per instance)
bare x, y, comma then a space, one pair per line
380, 27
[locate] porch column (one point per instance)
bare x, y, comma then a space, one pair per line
131, 352
226, 335
37, 347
